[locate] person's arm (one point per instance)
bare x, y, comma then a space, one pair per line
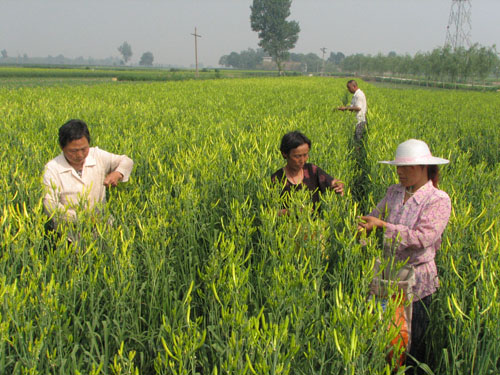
353, 107
113, 179
374, 219
118, 167
325, 181
51, 202
349, 108
337, 186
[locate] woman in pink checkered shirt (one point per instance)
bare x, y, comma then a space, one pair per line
413, 215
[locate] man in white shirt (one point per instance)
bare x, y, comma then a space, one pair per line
358, 105
77, 179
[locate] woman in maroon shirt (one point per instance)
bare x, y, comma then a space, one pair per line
297, 174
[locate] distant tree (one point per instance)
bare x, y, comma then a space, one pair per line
313, 61
223, 60
4, 53
402, 64
356, 64
310, 62
126, 50
60, 59
417, 66
378, 64
233, 60
277, 35
435, 63
450, 62
250, 58
336, 58
146, 59
483, 60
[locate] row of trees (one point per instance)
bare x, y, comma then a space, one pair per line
442, 63
249, 59
254, 59
125, 50
58, 60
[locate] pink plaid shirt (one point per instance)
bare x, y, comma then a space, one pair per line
414, 230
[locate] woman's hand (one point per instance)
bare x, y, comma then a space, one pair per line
113, 179
282, 212
338, 186
368, 223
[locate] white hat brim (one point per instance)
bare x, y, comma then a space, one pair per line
427, 161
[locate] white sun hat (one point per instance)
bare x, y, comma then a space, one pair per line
414, 152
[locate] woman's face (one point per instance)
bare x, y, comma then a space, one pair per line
297, 157
76, 152
411, 175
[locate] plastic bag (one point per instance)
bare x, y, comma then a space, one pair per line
402, 281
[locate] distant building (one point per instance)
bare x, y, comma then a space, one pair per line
269, 64
267, 60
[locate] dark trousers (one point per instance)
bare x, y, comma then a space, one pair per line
419, 323
359, 131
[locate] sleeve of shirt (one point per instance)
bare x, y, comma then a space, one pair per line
277, 176
51, 202
324, 179
429, 228
118, 163
362, 103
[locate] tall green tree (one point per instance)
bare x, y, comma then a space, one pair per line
277, 35
126, 50
147, 59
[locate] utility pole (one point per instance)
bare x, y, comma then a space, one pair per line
323, 66
196, 36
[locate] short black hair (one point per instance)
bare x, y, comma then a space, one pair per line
352, 81
293, 140
73, 130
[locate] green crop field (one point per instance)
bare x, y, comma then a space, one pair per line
15, 76
198, 273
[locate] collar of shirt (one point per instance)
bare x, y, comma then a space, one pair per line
66, 167
421, 193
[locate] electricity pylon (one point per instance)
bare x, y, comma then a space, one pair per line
458, 32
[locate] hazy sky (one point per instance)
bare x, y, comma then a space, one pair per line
97, 27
